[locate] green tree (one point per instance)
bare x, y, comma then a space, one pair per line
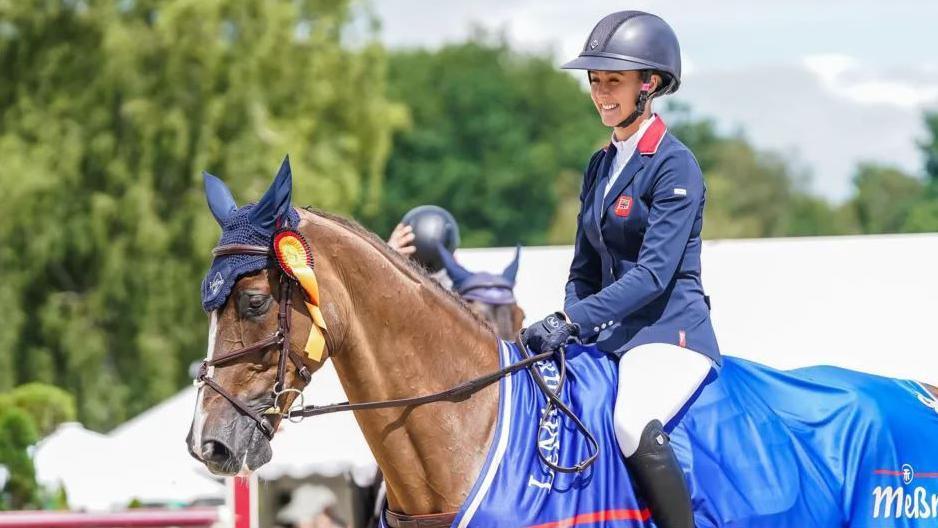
923, 216
47, 405
884, 197
930, 150
495, 136
28, 413
108, 112
17, 433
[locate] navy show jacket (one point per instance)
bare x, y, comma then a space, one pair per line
635, 275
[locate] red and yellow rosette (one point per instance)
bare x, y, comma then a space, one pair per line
296, 260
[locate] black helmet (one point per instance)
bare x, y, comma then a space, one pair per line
633, 40
433, 227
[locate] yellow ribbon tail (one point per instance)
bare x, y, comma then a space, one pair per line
307, 280
316, 314
317, 341
315, 344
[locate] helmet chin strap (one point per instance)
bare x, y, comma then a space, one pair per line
643, 97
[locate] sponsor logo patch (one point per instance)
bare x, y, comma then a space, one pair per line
623, 206
216, 284
548, 435
905, 501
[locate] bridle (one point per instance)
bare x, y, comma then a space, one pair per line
281, 339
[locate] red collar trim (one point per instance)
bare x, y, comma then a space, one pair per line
651, 140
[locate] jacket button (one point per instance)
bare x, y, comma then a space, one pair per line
603, 326
596, 329
610, 323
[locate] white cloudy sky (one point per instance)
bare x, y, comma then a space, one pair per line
829, 82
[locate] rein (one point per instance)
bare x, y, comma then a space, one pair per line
463, 391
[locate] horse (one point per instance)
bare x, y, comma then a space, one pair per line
394, 334
489, 295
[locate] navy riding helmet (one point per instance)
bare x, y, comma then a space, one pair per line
433, 227
633, 40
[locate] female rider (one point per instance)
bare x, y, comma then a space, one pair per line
634, 285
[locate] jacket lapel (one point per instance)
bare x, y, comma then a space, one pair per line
647, 146
601, 180
628, 174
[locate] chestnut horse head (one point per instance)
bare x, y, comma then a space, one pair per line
289, 289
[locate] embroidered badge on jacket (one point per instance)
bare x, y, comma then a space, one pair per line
623, 206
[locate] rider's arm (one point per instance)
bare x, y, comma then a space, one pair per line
584, 279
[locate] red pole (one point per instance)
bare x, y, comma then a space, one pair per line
131, 518
243, 500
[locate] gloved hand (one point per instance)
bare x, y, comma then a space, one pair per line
549, 333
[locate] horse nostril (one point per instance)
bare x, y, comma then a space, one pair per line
213, 451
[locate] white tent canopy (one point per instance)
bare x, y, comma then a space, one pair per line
328, 445
146, 458
101, 473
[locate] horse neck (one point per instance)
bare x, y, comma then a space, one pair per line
403, 336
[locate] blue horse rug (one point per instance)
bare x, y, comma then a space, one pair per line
813, 447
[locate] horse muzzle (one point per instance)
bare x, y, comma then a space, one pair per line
236, 446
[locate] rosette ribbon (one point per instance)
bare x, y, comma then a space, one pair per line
296, 260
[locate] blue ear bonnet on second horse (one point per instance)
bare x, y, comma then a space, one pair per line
483, 286
252, 224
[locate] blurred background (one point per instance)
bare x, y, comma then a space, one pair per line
807, 118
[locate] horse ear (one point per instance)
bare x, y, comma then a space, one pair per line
457, 273
511, 272
272, 209
219, 198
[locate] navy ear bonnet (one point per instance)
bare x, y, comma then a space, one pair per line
486, 287
253, 224
227, 269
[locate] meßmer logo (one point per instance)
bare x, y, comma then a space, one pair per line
905, 501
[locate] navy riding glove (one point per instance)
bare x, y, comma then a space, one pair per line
549, 333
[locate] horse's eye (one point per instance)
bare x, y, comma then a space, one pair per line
257, 301
253, 304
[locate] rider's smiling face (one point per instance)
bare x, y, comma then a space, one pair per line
614, 93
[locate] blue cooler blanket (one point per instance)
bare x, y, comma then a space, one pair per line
813, 447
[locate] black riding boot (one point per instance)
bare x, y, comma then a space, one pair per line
660, 479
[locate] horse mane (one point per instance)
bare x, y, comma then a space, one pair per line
406, 265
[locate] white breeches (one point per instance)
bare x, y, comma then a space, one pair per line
655, 381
